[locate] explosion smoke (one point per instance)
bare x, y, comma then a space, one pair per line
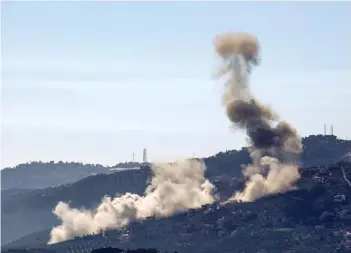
182, 186
240, 53
173, 188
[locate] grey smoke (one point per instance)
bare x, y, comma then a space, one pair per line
173, 188
274, 144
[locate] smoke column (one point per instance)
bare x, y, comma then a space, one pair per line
274, 144
173, 188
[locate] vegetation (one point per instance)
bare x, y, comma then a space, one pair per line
296, 216
317, 150
36, 175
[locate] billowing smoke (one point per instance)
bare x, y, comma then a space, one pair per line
173, 188
274, 144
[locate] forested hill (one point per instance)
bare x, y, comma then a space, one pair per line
314, 218
37, 175
322, 149
27, 211
317, 150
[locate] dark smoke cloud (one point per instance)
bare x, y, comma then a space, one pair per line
257, 120
240, 53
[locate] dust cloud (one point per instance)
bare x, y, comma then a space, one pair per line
180, 186
274, 144
173, 188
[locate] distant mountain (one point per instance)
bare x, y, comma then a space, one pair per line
27, 211
315, 218
317, 149
37, 175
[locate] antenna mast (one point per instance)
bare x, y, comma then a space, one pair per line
325, 129
144, 156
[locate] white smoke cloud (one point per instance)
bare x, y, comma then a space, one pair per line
173, 188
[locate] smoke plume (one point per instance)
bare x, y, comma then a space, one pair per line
173, 188
273, 143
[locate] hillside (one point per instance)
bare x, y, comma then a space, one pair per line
317, 150
100, 250
28, 211
315, 218
37, 175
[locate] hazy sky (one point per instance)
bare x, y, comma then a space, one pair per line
97, 81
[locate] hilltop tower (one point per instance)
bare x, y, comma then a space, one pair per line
144, 156
325, 129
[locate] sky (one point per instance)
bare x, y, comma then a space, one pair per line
95, 82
